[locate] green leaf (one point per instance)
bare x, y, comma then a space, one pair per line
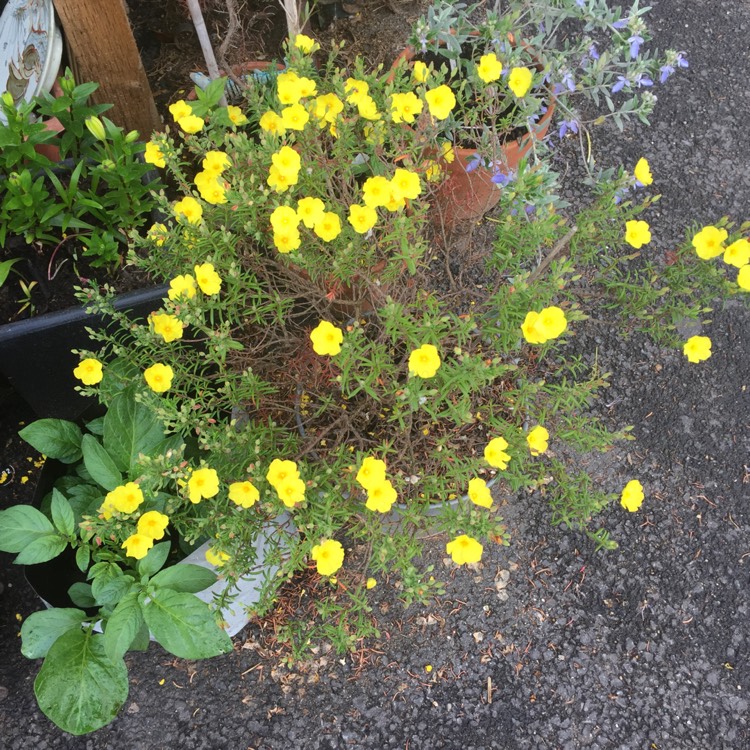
185, 577
62, 514
5, 267
80, 594
21, 525
130, 428
41, 629
41, 550
85, 499
123, 626
55, 438
155, 558
83, 558
109, 593
184, 625
79, 687
142, 638
99, 463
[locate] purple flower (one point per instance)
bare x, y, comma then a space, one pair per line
643, 80
568, 82
635, 45
621, 24
475, 161
665, 71
580, 3
681, 60
620, 84
567, 126
501, 179
593, 52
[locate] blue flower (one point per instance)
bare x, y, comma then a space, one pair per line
620, 84
593, 52
501, 179
567, 126
475, 161
621, 24
635, 45
568, 82
681, 60
665, 71
643, 80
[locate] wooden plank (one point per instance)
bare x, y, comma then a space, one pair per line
99, 38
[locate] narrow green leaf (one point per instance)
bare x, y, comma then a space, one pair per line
155, 558
5, 267
21, 525
185, 577
123, 626
62, 514
41, 550
56, 438
184, 625
79, 687
41, 629
99, 463
83, 558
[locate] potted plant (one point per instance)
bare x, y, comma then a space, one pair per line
60, 224
512, 69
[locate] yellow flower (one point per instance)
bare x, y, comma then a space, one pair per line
362, 218
495, 455
632, 496
288, 88
202, 483
489, 68
326, 338
405, 184
537, 440
305, 44
440, 102
213, 192
310, 211
283, 218
180, 109
709, 242
367, 108
159, 377
420, 72
738, 253
642, 172
279, 471
137, 546
153, 155
294, 117
190, 209
329, 556
216, 557
244, 494
464, 550
405, 107
215, 162
153, 524
371, 583
272, 123
697, 348
328, 226
182, 286
637, 233
287, 240
425, 361
235, 115
125, 499
158, 234
291, 491
540, 327
355, 89
519, 81
307, 87
381, 496
447, 151
287, 161
531, 332
167, 326
191, 124
327, 108
89, 371
479, 493
371, 473
280, 181
207, 279
743, 278
377, 191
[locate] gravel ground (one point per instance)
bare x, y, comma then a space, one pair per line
643, 647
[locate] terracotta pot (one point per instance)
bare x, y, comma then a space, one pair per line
467, 192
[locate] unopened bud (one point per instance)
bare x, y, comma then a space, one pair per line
96, 127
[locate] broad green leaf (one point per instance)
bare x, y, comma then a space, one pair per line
83, 557
109, 593
55, 438
79, 687
21, 525
41, 629
185, 577
99, 463
80, 594
85, 500
184, 625
62, 514
155, 558
130, 428
142, 638
96, 426
123, 626
41, 550
103, 574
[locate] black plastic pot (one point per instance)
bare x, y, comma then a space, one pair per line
36, 355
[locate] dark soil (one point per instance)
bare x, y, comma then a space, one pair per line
549, 644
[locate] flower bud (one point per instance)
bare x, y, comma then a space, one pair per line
131, 137
96, 127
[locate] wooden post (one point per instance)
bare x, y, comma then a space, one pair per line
99, 38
